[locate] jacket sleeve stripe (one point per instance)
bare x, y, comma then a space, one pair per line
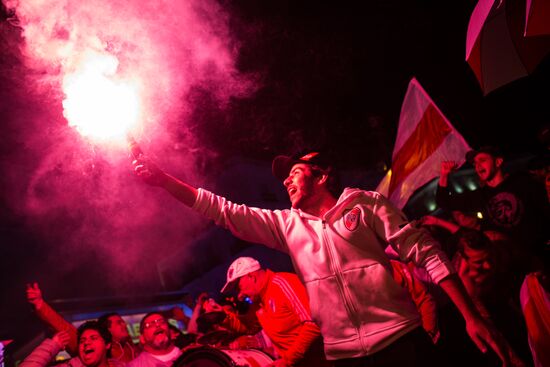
295, 301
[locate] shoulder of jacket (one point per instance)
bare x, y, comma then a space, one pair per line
354, 193
283, 276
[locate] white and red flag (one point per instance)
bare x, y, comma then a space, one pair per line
425, 138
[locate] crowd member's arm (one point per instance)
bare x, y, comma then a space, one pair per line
247, 223
430, 220
416, 245
463, 271
154, 176
45, 353
423, 300
244, 325
443, 197
176, 313
446, 168
295, 296
309, 333
479, 331
193, 327
47, 314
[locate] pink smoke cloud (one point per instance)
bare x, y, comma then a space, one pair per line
81, 196
167, 47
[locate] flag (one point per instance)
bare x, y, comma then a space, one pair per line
535, 305
425, 138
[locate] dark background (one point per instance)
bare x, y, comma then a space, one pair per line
333, 75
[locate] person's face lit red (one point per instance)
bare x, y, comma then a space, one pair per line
118, 328
248, 287
92, 348
300, 185
486, 166
480, 263
464, 220
155, 334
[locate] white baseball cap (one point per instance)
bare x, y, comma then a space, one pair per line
239, 267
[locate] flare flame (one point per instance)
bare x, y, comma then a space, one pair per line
98, 103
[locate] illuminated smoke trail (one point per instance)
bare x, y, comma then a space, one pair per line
164, 47
83, 197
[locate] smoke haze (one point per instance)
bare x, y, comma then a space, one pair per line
79, 197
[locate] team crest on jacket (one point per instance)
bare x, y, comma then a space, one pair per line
351, 219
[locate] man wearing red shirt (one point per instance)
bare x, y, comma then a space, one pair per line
281, 309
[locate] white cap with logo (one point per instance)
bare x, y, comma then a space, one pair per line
239, 267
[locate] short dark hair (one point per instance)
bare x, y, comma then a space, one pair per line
473, 239
94, 325
142, 322
104, 321
334, 185
493, 151
320, 163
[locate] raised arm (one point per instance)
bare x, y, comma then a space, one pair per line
446, 168
465, 201
431, 220
154, 176
44, 354
193, 327
481, 333
247, 223
415, 244
51, 317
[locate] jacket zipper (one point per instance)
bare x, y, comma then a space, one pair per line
340, 282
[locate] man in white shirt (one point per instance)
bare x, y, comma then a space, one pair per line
158, 348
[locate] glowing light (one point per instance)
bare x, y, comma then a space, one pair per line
471, 185
479, 215
432, 206
97, 104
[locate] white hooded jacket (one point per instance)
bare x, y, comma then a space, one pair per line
341, 260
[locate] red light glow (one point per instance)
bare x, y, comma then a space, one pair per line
98, 104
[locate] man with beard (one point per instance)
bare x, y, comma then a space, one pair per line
336, 241
158, 347
513, 204
93, 344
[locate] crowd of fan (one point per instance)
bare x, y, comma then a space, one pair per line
502, 266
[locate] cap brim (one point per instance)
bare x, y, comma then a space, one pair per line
229, 287
281, 166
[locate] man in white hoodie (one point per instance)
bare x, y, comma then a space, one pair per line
336, 242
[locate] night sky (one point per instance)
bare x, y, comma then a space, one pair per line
310, 74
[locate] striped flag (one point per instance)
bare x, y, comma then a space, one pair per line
425, 138
535, 304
